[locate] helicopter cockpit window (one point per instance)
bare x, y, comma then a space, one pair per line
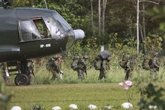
28, 30
62, 21
55, 28
42, 28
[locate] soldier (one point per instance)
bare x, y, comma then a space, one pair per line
5, 72
154, 65
145, 64
31, 67
79, 65
54, 66
127, 64
85, 60
101, 63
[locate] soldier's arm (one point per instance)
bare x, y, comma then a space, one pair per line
155, 62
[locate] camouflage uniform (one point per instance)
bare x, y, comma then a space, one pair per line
145, 64
5, 72
53, 66
31, 67
102, 64
127, 64
79, 65
154, 65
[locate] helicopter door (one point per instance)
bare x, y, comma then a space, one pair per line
28, 31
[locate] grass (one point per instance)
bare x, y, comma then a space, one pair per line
48, 93
48, 96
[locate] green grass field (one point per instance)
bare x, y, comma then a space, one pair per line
100, 94
48, 93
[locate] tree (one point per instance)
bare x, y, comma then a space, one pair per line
101, 17
137, 23
92, 19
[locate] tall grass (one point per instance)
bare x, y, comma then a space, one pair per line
114, 75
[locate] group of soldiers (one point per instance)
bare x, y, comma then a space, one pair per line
150, 62
101, 63
79, 64
127, 62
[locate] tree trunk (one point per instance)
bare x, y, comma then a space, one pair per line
99, 17
103, 16
92, 20
143, 28
137, 24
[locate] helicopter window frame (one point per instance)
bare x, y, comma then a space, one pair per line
41, 26
28, 31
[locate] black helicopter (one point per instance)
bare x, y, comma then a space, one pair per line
27, 33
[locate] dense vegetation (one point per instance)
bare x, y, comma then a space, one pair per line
112, 23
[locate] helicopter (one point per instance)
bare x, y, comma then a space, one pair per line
28, 33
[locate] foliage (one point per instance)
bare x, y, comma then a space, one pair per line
151, 95
153, 43
4, 97
120, 23
37, 107
158, 13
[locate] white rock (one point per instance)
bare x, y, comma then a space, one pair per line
92, 107
152, 107
73, 106
56, 108
127, 105
16, 108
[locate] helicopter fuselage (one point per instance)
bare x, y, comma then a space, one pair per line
27, 33
31, 32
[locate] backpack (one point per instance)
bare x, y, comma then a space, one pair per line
74, 65
97, 64
123, 64
145, 64
81, 64
52, 66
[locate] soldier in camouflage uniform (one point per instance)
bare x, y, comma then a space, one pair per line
30, 66
101, 63
5, 72
154, 65
145, 64
79, 65
54, 66
127, 64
